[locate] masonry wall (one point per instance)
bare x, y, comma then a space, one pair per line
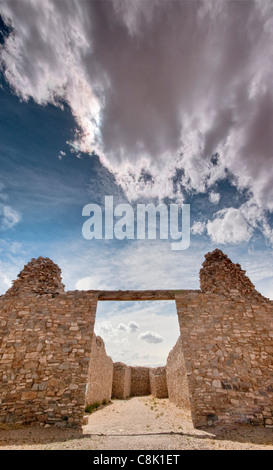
226, 339
228, 351
176, 377
158, 382
45, 345
140, 381
100, 373
121, 381
44, 357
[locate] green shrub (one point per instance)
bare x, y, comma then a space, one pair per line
91, 408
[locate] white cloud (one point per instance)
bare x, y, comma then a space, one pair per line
91, 283
122, 327
11, 263
9, 217
106, 328
166, 94
151, 337
214, 197
198, 228
61, 155
229, 226
126, 347
5, 281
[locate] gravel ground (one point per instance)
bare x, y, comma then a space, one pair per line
138, 423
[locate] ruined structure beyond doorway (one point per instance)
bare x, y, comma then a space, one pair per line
46, 338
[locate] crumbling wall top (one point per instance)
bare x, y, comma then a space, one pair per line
221, 276
39, 276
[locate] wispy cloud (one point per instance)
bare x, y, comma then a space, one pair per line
194, 78
9, 217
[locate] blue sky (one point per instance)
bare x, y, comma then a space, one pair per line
97, 99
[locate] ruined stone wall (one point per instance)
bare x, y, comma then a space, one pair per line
121, 381
220, 276
45, 345
158, 382
140, 381
40, 276
228, 351
100, 373
176, 374
226, 337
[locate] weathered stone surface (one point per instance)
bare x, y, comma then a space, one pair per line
220, 276
140, 381
100, 373
158, 382
225, 342
43, 362
39, 276
176, 375
226, 337
121, 381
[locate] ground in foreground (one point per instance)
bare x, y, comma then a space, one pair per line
140, 423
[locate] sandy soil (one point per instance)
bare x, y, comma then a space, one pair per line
139, 423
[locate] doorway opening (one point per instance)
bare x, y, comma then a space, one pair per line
137, 352
138, 333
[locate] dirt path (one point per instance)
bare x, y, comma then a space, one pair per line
139, 423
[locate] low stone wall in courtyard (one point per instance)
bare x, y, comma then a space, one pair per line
140, 381
158, 382
176, 374
121, 381
100, 373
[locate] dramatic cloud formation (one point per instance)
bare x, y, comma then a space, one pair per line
155, 86
151, 337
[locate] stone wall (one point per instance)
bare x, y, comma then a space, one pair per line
121, 381
100, 373
39, 276
176, 374
226, 337
158, 382
219, 275
140, 381
228, 351
45, 345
